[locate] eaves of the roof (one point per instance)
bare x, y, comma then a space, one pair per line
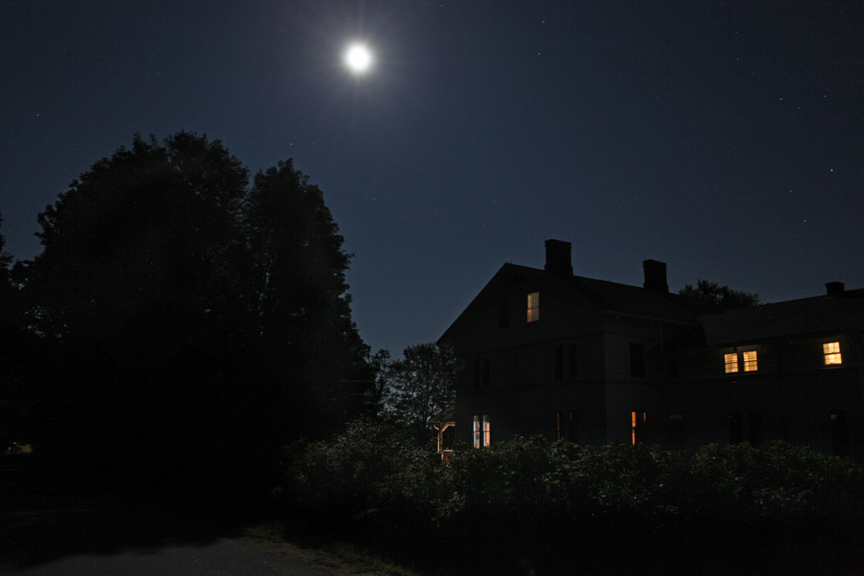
808, 316
604, 296
506, 275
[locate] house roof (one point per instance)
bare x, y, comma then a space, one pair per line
816, 315
638, 301
835, 312
603, 295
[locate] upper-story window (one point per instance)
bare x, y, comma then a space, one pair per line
749, 359
503, 314
731, 363
482, 372
637, 360
831, 351
533, 307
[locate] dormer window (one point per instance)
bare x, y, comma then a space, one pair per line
534, 307
831, 352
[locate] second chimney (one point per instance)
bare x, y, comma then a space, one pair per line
655, 276
558, 258
835, 288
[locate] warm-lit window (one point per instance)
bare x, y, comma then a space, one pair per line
731, 363
482, 431
751, 363
487, 431
533, 307
638, 421
832, 353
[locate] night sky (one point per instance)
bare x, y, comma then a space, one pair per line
723, 138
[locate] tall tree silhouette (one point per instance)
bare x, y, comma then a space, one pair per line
308, 340
198, 320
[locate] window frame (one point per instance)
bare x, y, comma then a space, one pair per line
730, 362
638, 368
751, 364
741, 360
482, 431
533, 307
830, 355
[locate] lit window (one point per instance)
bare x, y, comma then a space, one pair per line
638, 421
832, 353
751, 363
533, 307
487, 431
731, 363
482, 431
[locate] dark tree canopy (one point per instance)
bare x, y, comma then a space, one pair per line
420, 385
197, 320
721, 297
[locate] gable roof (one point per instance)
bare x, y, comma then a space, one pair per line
602, 295
806, 316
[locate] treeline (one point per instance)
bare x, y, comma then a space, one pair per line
531, 505
184, 320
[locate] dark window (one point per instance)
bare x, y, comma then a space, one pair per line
487, 373
736, 428
637, 360
839, 434
559, 362
565, 426
572, 362
481, 374
672, 368
503, 314
754, 427
675, 427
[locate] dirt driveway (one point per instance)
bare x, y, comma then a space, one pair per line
226, 557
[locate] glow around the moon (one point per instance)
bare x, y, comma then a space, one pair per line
358, 58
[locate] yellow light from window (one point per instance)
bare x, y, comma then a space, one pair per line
832, 353
533, 307
637, 420
731, 363
751, 361
487, 431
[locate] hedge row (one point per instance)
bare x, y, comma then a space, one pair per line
372, 480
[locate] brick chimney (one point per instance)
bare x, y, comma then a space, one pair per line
558, 258
655, 276
835, 288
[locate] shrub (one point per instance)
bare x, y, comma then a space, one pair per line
372, 479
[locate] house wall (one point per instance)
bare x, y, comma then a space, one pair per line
524, 392
513, 372
791, 397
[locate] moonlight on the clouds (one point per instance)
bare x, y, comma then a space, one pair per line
358, 58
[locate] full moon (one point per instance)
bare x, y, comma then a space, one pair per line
358, 58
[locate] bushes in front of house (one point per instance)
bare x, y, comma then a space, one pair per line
373, 482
